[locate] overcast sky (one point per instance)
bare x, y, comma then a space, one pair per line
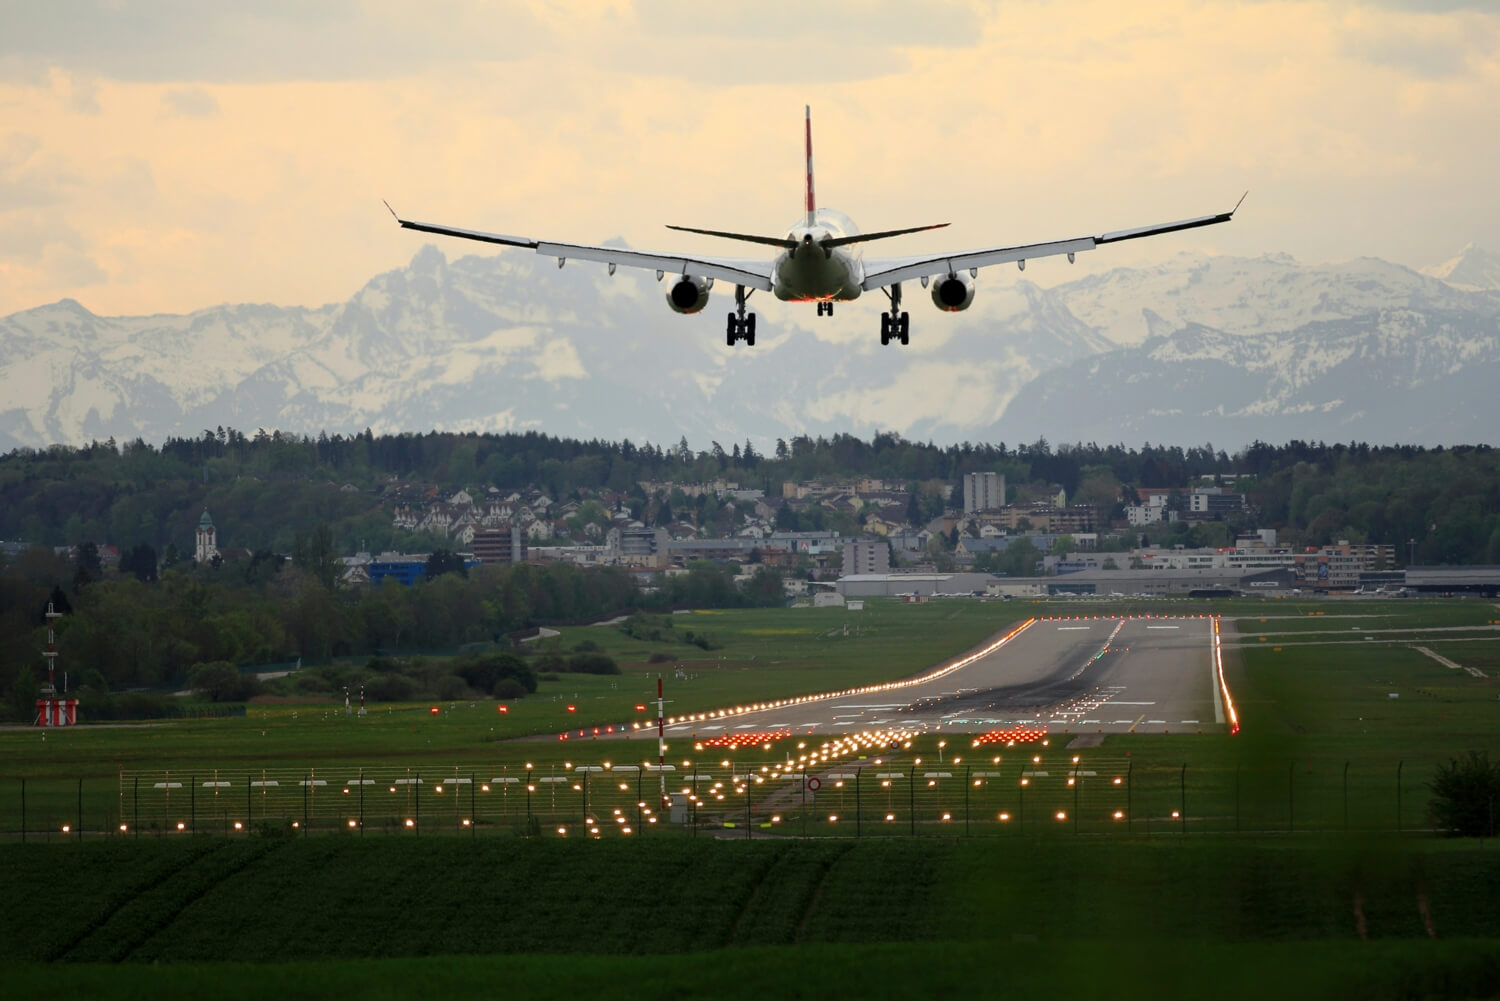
163, 157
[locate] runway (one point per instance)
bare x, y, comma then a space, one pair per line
1081, 674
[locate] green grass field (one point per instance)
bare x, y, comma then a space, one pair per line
1325, 769
918, 913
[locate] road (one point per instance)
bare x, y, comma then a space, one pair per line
1084, 674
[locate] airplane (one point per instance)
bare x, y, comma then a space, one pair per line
819, 260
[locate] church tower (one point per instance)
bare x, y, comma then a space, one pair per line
208, 543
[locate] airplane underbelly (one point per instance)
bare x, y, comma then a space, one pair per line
813, 276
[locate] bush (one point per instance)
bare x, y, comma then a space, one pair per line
550, 676
509, 688
483, 672
451, 687
391, 688
585, 646
592, 663
661, 658
551, 663
1466, 796
220, 681
312, 684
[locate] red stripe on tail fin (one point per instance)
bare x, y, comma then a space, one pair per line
812, 204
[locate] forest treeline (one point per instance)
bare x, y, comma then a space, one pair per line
265, 489
120, 633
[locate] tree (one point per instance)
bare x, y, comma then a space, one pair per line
1466, 796
315, 556
442, 561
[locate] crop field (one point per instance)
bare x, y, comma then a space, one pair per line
911, 869
571, 915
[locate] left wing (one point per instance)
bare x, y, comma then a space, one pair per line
881, 273
750, 273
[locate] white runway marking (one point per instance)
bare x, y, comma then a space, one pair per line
1118, 702
1163, 627
1069, 629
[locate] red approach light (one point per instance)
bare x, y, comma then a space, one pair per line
639, 707
609, 729
502, 709
572, 709
596, 731
433, 710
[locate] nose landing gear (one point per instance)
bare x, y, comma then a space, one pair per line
741, 325
825, 309
895, 325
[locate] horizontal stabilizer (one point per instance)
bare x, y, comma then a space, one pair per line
840, 241
769, 241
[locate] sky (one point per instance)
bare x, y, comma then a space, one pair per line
170, 156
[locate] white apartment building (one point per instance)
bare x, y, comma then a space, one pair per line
983, 492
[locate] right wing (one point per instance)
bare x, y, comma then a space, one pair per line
750, 273
881, 273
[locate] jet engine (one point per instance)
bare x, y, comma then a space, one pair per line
689, 294
952, 293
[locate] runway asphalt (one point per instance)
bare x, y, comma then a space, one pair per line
1086, 674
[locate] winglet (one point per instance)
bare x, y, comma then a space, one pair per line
390, 210
1238, 204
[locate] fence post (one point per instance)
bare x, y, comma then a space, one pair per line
1291, 767
1398, 795
967, 770
1182, 797
858, 812
361, 802
912, 798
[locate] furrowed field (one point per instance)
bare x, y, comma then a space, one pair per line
1309, 824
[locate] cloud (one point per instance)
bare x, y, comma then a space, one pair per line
190, 102
170, 40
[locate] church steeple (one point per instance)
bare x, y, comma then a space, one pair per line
207, 546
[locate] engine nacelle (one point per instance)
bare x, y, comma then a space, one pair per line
953, 293
689, 294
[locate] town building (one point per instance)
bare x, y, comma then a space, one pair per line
983, 492
863, 556
500, 545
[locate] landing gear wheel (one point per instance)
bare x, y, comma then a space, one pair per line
731, 334
750, 330
905, 325
885, 329
895, 325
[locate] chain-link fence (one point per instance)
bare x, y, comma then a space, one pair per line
1024, 790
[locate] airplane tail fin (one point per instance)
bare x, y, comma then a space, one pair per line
812, 205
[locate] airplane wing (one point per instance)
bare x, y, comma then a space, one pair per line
750, 273
883, 272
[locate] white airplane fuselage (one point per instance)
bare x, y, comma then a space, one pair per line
812, 274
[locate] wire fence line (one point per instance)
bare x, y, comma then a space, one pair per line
1098, 794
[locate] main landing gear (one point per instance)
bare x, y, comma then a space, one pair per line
741, 324
825, 309
895, 325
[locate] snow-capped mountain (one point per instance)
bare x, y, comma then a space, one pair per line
1474, 269
1198, 348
